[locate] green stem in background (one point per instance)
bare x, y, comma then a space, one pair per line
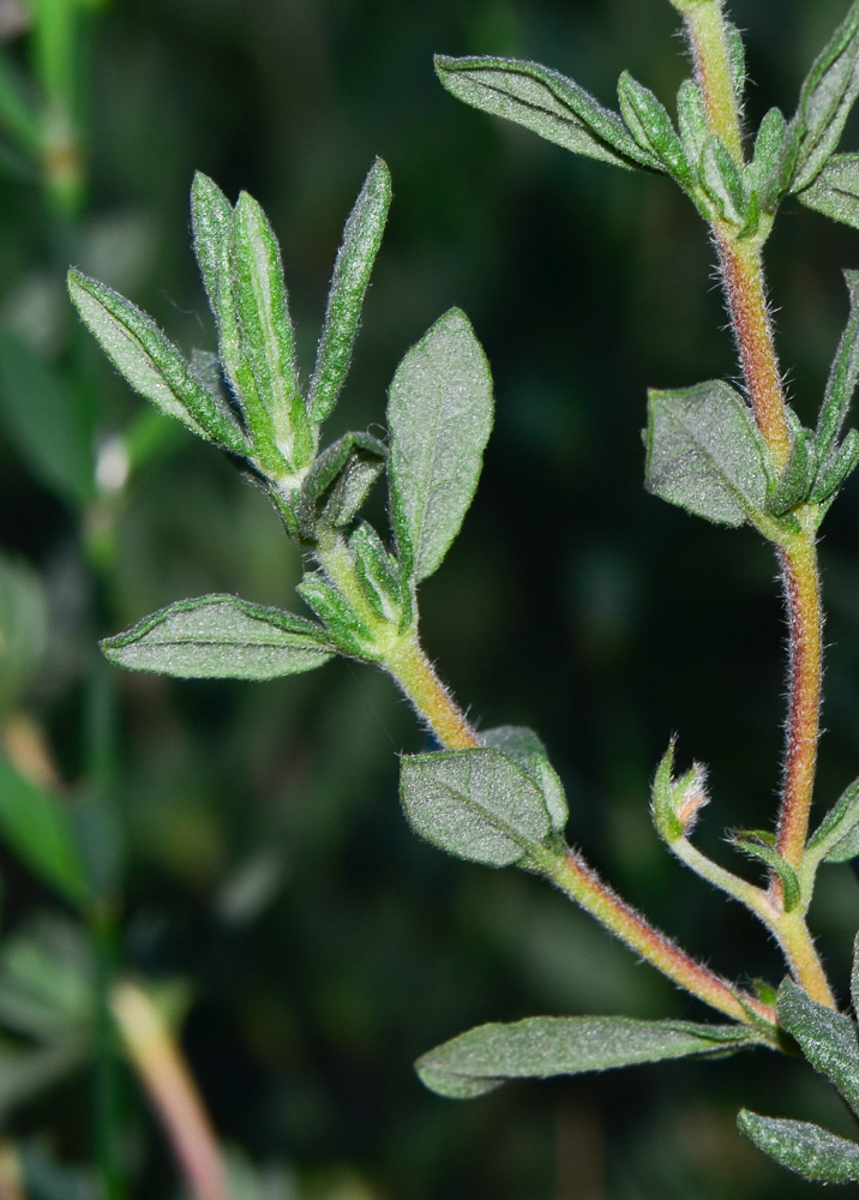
162, 1068
108, 1128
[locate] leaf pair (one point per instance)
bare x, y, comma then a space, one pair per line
828, 1040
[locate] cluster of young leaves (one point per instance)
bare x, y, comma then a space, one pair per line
830, 1043
704, 452
248, 401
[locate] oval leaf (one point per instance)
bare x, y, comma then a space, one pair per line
220, 637
524, 748
704, 453
547, 103
802, 1147
440, 417
540, 1047
476, 804
826, 1038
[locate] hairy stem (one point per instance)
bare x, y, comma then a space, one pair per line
417, 678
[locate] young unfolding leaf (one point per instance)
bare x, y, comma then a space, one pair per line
692, 120
797, 477
476, 804
151, 364
705, 454
835, 191
825, 1037
440, 416
346, 628
756, 844
212, 221
546, 102
541, 1047
842, 464
266, 330
737, 59
837, 838
804, 1148
827, 96
362, 237
220, 637
37, 826
723, 183
771, 167
525, 749
378, 573
651, 127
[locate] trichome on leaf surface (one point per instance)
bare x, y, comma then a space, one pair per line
735, 456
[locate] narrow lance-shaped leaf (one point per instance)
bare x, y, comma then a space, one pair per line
476, 804
837, 838
541, 1047
835, 191
755, 845
651, 127
545, 102
151, 364
804, 1148
705, 454
37, 826
362, 237
842, 379
826, 1038
267, 336
220, 637
440, 416
827, 96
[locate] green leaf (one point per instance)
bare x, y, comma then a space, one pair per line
346, 628
542, 1047
842, 379
692, 120
362, 237
835, 191
48, 421
756, 846
827, 97
545, 102
723, 183
797, 477
440, 416
854, 975
151, 364
475, 804
804, 1148
650, 125
737, 59
220, 637
266, 330
826, 1038
837, 838
523, 747
37, 826
214, 223
23, 628
704, 453
770, 168
378, 573
842, 464
363, 466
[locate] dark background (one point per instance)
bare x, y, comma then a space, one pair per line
572, 602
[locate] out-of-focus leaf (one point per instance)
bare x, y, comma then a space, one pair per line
48, 421
38, 827
539, 1047
23, 627
220, 637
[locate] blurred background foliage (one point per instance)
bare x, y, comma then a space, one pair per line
245, 840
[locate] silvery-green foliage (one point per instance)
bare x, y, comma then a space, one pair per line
721, 180
835, 190
836, 402
705, 454
440, 416
220, 637
524, 747
797, 477
806, 1149
837, 838
769, 172
827, 96
380, 577
476, 804
362, 237
347, 629
827, 1039
546, 102
761, 844
482, 1059
692, 120
650, 125
152, 365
